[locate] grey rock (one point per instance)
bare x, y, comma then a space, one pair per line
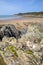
23, 31
10, 31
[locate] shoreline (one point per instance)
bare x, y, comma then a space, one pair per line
13, 21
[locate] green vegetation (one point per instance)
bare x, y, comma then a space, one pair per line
22, 49
29, 52
31, 13
2, 61
41, 30
13, 50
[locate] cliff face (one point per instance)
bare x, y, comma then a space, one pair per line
21, 45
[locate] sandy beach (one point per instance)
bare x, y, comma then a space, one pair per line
20, 21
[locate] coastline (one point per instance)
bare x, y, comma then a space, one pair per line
13, 21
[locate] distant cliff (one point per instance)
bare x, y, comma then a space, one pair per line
31, 13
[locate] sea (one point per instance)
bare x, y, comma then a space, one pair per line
11, 17
7, 17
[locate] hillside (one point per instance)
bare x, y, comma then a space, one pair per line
31, 13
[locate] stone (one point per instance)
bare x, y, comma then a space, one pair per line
36, 47
9, 31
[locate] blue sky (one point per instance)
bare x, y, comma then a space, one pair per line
9, 7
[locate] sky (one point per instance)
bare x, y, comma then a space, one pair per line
10, 7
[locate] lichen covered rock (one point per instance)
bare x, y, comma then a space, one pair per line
27, 50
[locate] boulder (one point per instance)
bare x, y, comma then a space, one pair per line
9, 31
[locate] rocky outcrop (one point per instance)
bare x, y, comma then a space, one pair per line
9, 31
27, 50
